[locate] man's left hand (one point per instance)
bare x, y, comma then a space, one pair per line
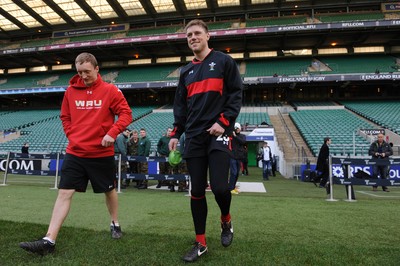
107, 141
216, 130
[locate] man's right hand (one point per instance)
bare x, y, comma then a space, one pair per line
173, 143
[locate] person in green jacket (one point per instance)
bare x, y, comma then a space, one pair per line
143, 150
163, 151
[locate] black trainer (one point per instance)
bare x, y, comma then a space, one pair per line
116, 232
196, 251
41, 247
226, 234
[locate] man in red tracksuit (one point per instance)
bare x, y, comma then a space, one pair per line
207, 102
87, 114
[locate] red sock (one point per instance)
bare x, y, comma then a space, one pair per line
201, 239
226, 218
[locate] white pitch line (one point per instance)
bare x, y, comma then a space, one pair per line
376, 195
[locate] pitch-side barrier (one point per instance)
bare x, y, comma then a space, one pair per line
50, 165
349, 180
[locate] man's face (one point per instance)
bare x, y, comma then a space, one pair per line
169, 130
380, 138
87, 72
142, 133
126, 133
329, 142
135, 135
197, 38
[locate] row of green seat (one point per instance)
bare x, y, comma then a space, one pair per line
340, 125
253, 118
312, 103
383, 113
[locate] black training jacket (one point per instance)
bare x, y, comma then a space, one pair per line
209, 91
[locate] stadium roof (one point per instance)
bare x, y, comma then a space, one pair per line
20, 18
59, 15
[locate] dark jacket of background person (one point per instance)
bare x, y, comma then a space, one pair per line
120, 145
385, 148
323, 156
133, 147
144, 147
25, 149
162, 146
238, 146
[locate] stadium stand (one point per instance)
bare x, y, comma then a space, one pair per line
359, 64
313, 103
155, 124
350, 16
23, 119
383, 113
253, 118
153, 31
146, 73
92, 37
276, 21
339, 125
45, 136
270, 67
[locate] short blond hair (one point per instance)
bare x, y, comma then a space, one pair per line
86, 57
197, 22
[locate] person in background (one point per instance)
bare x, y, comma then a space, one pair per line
88, 113
265, 154
238, 155
163, 151
323, 162
207, 101
143, 150
121, 147
245, 162
133, 144
25, 148
381, 150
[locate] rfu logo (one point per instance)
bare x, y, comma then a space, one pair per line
391, 161
89, 92
366, 182
341, 161
212, 65
366, 161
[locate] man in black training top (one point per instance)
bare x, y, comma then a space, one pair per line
207, 102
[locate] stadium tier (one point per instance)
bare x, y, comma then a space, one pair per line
146, 73
23, 119
358, 64
270, 67
383, 113
312, 103
350, 17
276, 21
93, 37
140, 111
250, 23
156, 125
339, 125
253, 118
153, 31
253, 68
